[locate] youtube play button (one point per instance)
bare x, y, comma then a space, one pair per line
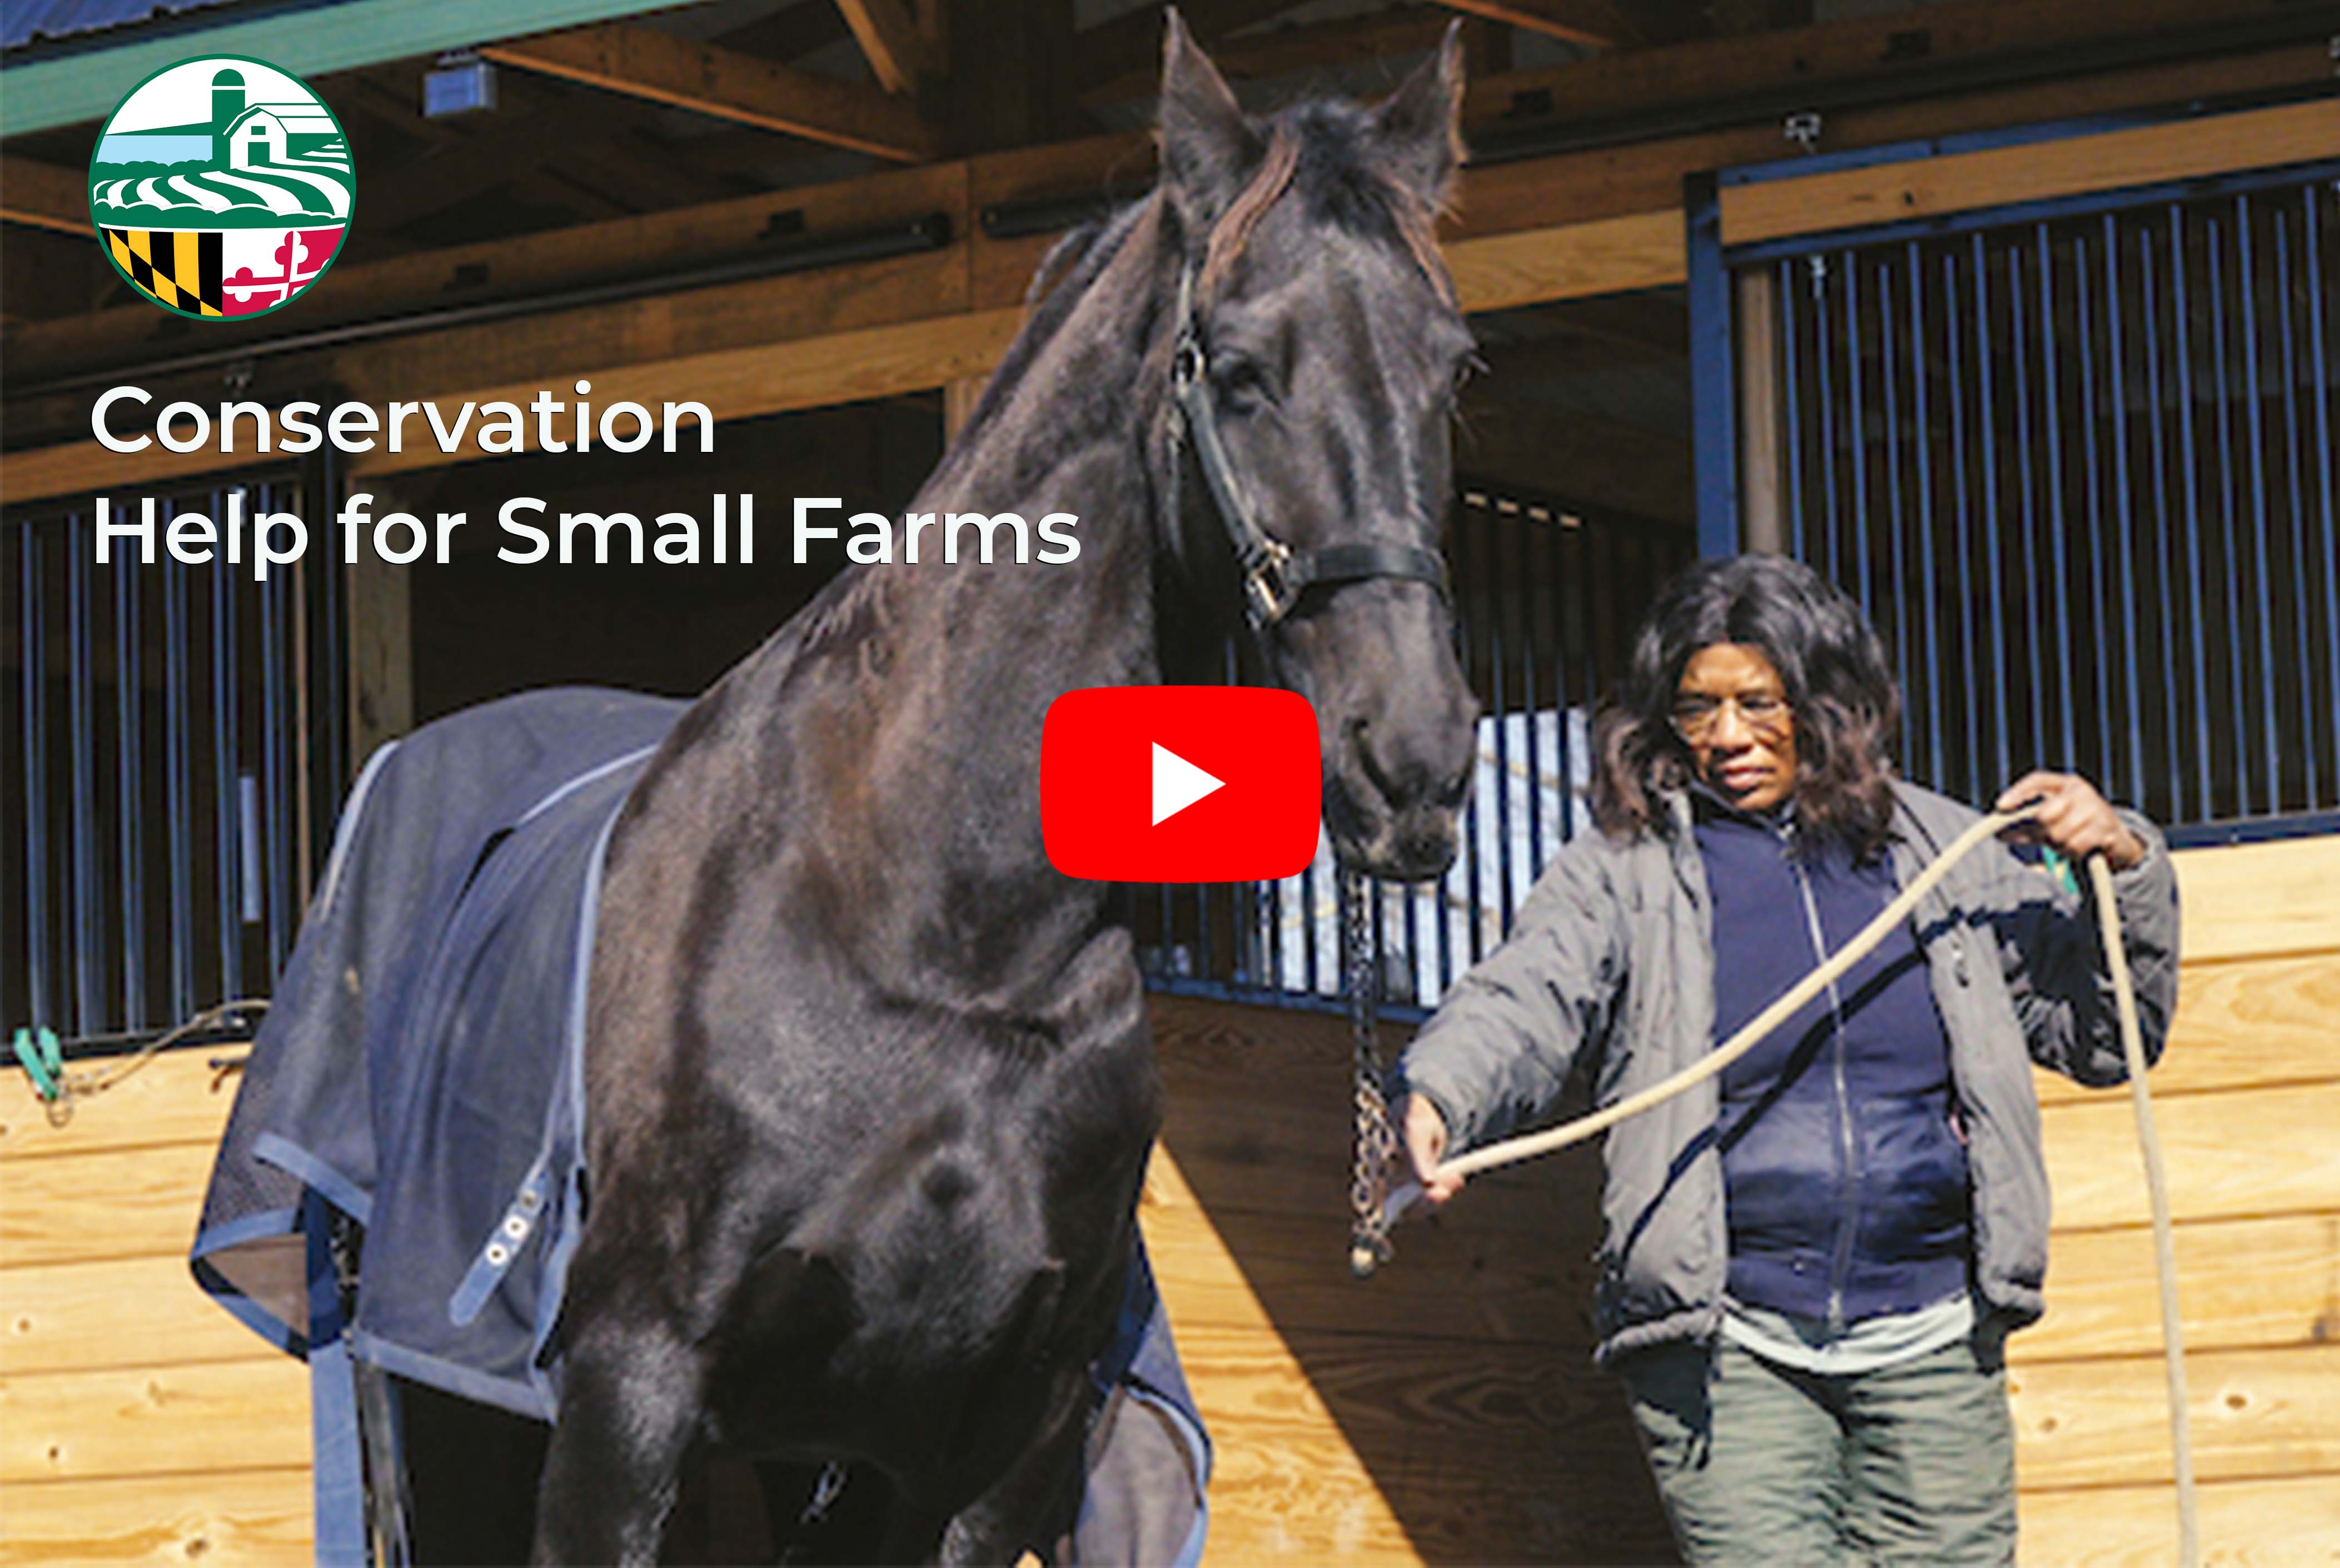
1179, 783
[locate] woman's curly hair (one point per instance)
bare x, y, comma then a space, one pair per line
1847, 708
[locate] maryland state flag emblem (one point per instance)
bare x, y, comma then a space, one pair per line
221, 187
180, 269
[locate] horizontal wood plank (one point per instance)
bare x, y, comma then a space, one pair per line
2245, 1283
224, 1519
2271, 1524
2252, 1414
2262, 900
178, 1096
126, 1312
127, 1203
708, 79
1931, 187
154, 1421
1281, 1273
2230, 1156
2241, 1022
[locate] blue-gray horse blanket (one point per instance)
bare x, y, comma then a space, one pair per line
420, 1071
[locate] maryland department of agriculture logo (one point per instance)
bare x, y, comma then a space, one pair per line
221, 187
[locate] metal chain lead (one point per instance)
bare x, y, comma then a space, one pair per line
1374, 1142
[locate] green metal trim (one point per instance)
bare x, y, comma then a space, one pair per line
309, 43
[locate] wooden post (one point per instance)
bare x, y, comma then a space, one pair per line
382, 656
1761, 508
959, 398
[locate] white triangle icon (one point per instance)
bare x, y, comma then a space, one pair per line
1178, 783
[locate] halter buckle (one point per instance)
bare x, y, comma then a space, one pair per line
1272, 597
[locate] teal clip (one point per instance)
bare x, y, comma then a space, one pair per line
43, 1060
2060, 868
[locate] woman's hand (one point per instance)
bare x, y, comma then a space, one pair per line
1425, 1142
2074, 820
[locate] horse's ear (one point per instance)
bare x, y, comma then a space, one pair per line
1208, 148
1420, 125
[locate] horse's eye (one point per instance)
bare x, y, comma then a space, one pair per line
1242, 384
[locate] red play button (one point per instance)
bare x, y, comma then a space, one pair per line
1179, 783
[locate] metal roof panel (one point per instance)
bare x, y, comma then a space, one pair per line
23, 21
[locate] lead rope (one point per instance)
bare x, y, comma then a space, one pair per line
2157, 1191
1373, 1146
1376, 1143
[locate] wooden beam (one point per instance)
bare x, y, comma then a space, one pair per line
708, 79
1930, 187
1133, 40
1596, 24
1903, 44
43, 196
1280, 50
899, 52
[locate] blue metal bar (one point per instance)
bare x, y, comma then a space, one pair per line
2207, 805
1823, 368
2306, 639
2222, 403
2026, 480
2060, 570
179, 787
1526, 588
1925, 575
1895, 602
2164, 534
130, 739
36, 780
227, 796
1990, 781
275, 772
1961, 531
1308, 925
2318, 279
2125, 550
1714, 414
1495, 597
86, 921
1561, 740
2248, 274
1463, 535
1856, 431
1791, 391
2099, 730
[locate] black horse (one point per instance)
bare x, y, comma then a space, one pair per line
870, 1086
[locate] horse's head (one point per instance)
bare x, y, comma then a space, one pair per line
1318, 349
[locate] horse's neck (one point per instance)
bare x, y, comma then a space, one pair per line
935, 731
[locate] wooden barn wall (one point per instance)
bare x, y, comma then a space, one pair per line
1445, 1411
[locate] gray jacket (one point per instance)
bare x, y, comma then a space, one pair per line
1612, 955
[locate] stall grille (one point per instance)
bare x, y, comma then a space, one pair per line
171, 754
2076, 462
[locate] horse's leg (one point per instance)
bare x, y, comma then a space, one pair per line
629, 1407
1035, 1501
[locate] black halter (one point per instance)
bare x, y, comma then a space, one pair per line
1276, 577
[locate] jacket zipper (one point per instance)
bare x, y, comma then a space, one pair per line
1848, 1161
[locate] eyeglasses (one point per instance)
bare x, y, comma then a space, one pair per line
1766, 713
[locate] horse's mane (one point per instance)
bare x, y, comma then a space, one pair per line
1323, 149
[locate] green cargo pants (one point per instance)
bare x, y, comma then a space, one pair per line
1761, 1464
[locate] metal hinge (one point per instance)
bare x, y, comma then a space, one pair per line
1803, 129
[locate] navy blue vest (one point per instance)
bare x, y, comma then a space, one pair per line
1845, 1174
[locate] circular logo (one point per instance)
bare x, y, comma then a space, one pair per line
221, 187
